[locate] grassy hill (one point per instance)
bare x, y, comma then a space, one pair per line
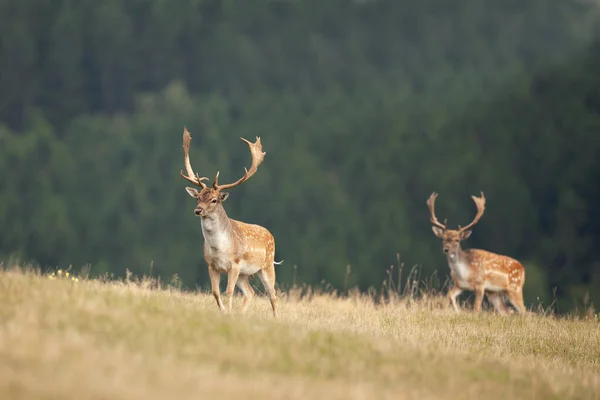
61, 339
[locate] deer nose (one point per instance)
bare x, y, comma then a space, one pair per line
198, 211
446, 249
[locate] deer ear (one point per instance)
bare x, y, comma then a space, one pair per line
223, 196
439, 232
192, 191
465, 234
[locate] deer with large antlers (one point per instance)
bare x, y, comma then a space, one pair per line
233, 247
478, 270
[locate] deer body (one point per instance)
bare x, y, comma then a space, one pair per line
232, 247
228, 242
474, 267
480, 271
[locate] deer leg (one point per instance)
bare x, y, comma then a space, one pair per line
267, 277
516, 299
478, 298
247, 291
498, 302
453, 293
215, 278
232, 277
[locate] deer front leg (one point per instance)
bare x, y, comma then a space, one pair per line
479, 291
232, 277
453, 293
215, 279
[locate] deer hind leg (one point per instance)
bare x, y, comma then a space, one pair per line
267, 277
516, 299
215, 279
232, 278
453, 293
247, 291
498, 302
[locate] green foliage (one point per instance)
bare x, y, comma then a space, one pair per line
364, 109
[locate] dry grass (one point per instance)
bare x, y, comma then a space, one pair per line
61, 339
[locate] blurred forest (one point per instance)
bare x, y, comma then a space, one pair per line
364, 108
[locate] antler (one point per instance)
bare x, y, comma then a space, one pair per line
191, 176
257, 158
433, 218
480, 203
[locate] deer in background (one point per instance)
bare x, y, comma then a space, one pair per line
478, 270
233, 247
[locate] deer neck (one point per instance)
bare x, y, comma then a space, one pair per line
217, 229
457, 258
459, 262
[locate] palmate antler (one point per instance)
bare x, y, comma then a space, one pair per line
480, 203
191, 176
257, 158
433, 218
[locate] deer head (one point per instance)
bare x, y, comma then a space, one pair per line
208, 199
451, 238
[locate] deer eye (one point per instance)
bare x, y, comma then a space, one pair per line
213, 201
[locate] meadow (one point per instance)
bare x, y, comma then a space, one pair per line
135, 338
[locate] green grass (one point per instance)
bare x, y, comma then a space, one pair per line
121, 340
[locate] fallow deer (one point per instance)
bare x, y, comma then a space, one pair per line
233, 247
478, 270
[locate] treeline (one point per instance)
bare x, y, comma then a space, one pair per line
364, 109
